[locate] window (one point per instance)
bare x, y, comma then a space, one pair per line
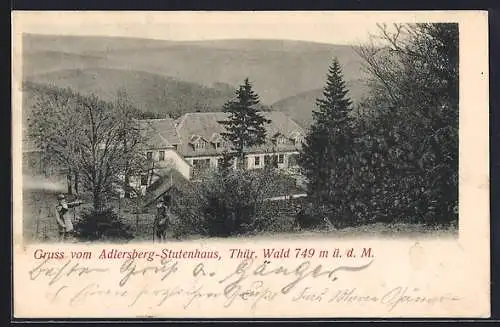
149, 155
217, 145
162, 156
292, 160
144, 180
201, 163
281, 158
200, 145
257, 161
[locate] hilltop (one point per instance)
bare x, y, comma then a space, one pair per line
165, 76
147, 92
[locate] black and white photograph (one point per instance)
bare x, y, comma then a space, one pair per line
155, 131
250, 165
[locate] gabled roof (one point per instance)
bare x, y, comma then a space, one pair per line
194, 138
207, 126
281, 123
160, 133
169, 178
295, 134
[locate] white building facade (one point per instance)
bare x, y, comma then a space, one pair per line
194, 144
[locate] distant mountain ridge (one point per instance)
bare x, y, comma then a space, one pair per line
181, 76
147, 92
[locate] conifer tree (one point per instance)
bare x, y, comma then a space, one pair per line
325, 156
245, 125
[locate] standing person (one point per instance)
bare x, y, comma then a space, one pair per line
162, 218
63, 218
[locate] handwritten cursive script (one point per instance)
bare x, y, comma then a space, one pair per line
189, 284
68, 269
299, 273
129, 269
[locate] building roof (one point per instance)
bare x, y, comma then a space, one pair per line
168, 179
160, 133
206, 125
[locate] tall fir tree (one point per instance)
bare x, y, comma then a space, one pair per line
325, 156
245, 125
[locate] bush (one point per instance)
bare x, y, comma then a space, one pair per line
228, 203
276, 217
310, 217
189, 220
102, 225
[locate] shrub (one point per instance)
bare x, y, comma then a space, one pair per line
276, 217
102, 225
189, 220
227, 203
310, 217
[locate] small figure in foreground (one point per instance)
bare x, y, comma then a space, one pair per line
63, 219
162, 218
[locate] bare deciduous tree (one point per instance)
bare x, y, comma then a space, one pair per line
99, 140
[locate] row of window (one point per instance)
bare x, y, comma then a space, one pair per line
281, 159
200, 145
257, 162
205, 163
161, 155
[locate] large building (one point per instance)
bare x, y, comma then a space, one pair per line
193, 143
186, 147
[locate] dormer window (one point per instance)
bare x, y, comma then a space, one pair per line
217, 141
194, 138
198, 142
278, 138
199, 145
297, 138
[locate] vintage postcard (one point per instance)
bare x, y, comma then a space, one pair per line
250, 164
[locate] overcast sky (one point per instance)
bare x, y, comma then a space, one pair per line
324, 27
